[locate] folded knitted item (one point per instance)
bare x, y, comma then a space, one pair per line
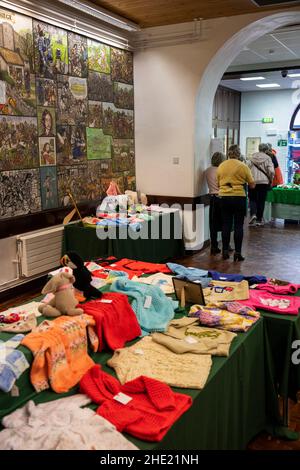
116, 322
219, 317
185, 335
153, 309
289, 288
255, 279
60, 425
286, 305
221, 291
146, 357
152, 410
60, 351
163, 281
12, 362
24, 322
190, 274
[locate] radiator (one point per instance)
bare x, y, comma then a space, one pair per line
40, 251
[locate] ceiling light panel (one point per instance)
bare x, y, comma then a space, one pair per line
248, 79
269, 85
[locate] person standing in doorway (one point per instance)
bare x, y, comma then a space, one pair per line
215, 218
262, 169
232, 175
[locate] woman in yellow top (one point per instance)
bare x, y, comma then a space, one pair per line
232, 175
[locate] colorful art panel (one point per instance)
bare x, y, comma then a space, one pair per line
18, 143
49, 188
98, 144
46, 92
109, 112
17, 81
123, 96
72, 100
71, 145
123, 124
129, 182
123, 148
46, 122
95, 114
78, 55
47, 151
121, 66
94, 188
50, 50
19, 193
123, 164
98, 57
100, 87
72, 178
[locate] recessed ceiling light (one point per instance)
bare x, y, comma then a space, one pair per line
269, 85
292, 75
252, 78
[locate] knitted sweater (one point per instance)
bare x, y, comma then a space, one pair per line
60, 352
163, 281
284, 304
150, 413
220, 317
278, 289
116, 322
153, 309
60, 425
191, 274
185, 335
254, 279
12, 362
221, 291
146, 357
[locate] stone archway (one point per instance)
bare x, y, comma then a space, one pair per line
212, 76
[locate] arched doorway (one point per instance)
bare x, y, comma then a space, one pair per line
213, 74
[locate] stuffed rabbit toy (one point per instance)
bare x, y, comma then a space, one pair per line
64, 301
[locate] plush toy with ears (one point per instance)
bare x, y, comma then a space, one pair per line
82, 275
64, 301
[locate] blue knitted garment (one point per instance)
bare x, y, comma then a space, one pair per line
159, 313
254, 279
190, 274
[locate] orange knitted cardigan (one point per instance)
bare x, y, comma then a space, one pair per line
60, 349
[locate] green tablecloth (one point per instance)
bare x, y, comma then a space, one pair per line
161, 246
226, 414
284, 196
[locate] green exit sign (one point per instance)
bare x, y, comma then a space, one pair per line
282, 143
267, 120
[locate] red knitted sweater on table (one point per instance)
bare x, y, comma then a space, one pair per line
151, 412
116, 322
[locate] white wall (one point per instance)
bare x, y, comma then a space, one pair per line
258, 104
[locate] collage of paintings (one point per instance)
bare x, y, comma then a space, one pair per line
66, 117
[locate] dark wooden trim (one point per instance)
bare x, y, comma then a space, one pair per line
39, 220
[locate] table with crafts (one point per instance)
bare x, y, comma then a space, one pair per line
283, 203
158, 240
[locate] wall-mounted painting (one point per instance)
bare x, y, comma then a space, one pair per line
98, 144
47, 151
95, 114
98, 57
18, 143
46, 92
72, 100
100, 87
121, 66
123, 95
46, 122
19, 193
78, 55
123, 148
72, 178
50, 50
71, 144
16, 65
49, 188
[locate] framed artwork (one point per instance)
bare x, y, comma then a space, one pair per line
100, 87
121, 66
95, 114
123, 95
78, 55
252, 144
98, 56
19, 193
47, 151
46, 92
49, 187
98, 144
46, 122
18, 143
72, 100
72, 178
50, 50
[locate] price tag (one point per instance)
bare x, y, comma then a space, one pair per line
106, 301
139, 351
148, 301
191, 340
15, 391
122, 398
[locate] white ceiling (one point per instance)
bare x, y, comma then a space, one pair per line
279, 49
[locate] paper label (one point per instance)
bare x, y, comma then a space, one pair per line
113, 265
122, 398
148, 301
15, 391
106, 301
191, 340
139, 351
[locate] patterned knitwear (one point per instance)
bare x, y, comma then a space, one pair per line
222, 291
60, 425
60, 352
116, 322
220, 316
185, 335
284, 304
150, 413
12, 362
154, 310
146, 357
